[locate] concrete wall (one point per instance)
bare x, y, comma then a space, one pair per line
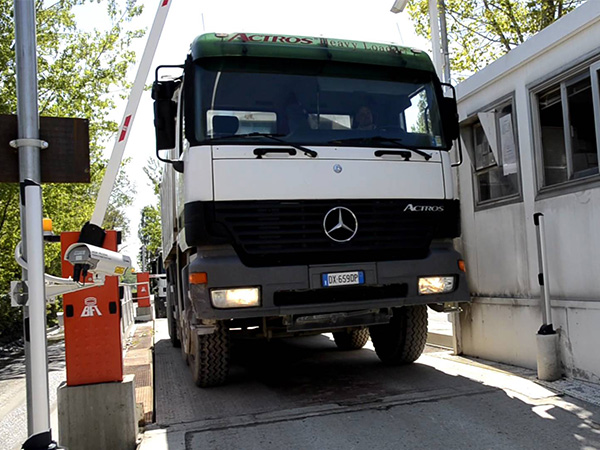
501, 329
499, 241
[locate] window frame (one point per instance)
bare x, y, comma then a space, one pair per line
469, 125
563, 80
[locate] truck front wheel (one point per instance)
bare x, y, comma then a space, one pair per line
351, 339
403, 340
209, 357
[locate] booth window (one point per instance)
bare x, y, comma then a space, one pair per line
567, 128
491, 140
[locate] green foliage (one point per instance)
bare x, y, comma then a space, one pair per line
149, 230
129, 277
154, 172
150, 233
79, 74
11, 320
52, 309
480, 31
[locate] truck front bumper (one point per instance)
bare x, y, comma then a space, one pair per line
298, 290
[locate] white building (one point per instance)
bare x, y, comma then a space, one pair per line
531, 127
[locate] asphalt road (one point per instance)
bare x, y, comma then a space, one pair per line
13, 397
305, 394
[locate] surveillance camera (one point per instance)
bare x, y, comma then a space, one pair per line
94, 259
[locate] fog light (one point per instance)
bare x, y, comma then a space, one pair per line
435, 285
235, 298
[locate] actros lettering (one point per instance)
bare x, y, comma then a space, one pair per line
423, 208
269, 38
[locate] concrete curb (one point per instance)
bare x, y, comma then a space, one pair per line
138, 361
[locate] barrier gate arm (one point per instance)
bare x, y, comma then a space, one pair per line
92, 232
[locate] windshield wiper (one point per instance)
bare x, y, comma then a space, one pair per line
397, 142
273, 137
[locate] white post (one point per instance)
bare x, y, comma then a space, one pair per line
435, 37
40, 412
28, 143
444, 41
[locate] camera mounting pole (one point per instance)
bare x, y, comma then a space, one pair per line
28, 144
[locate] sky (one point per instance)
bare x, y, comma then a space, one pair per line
368, 20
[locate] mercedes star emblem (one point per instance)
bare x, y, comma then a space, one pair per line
340, 224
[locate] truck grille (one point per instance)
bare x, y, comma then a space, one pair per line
291, 232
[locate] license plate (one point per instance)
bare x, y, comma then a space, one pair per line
342, 278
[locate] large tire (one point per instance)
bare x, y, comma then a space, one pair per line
186, 347
209, 357
403, 340
172, 322
351, 339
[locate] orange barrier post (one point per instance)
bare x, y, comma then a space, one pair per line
93, 342
143, 289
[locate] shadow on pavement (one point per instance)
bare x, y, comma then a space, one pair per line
13, 366
304, 393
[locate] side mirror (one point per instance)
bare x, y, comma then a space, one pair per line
450, 115
165, 113
449, 109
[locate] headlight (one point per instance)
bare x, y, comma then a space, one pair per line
235, 298
436, 285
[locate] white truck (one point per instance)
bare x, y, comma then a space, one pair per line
307, 189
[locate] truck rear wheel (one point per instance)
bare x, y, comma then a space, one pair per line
403, 340
351, 339
172, 324
209, 357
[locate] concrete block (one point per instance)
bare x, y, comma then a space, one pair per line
143, 313
98, 416
548, 362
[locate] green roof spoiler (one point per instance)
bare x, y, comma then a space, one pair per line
217, 45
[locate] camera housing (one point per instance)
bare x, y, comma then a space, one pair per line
97, 260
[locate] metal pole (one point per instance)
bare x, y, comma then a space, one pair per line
435, 36
37, 308
26, 338
29, 169
444, 40
538, 220
547, 339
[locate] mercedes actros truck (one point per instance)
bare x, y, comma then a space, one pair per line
307, 189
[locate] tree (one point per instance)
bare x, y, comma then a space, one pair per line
154, 172
149, 231
79, 75
480, 31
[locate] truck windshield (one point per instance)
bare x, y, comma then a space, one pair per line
334, 108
